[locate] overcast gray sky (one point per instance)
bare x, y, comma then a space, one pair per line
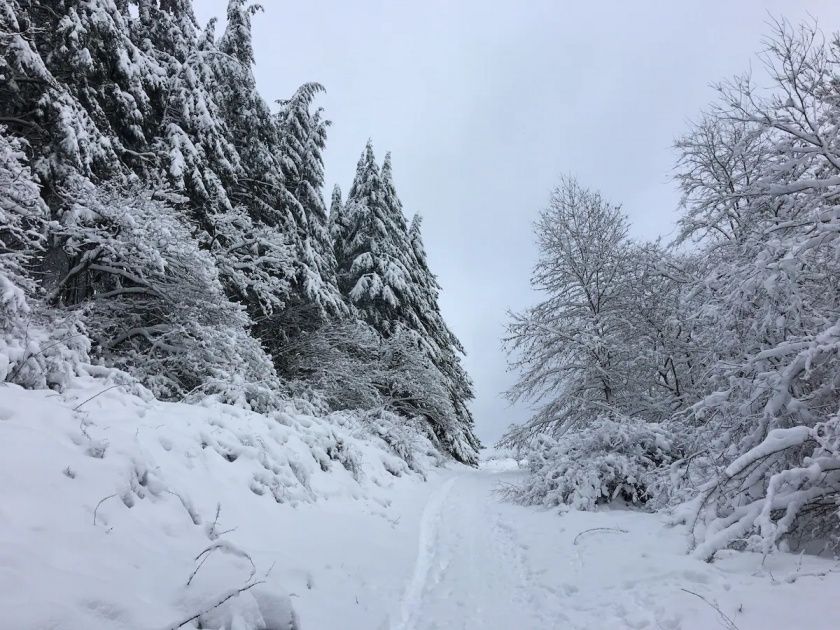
484, 103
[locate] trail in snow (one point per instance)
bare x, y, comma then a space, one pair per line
471, 569
483, 564
426, 552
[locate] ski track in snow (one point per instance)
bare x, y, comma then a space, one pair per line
426, 551
472, 570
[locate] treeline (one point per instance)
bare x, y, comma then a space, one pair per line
705, 374
159, 217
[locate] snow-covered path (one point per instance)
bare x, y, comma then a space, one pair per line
472, 570
484, 564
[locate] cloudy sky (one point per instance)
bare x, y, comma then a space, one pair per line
484, 103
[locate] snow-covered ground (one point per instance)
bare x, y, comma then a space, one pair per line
108, 520
490, 564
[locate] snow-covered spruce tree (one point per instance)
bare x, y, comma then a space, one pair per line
87, 120
303, 136
385, 280
220, 147
595, 356
761, 176
372, 252
279, 187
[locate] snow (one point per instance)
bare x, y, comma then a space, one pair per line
496, 565
106, 513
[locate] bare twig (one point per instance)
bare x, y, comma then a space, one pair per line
614, 530
198, 566
725, 619
211, 531
96, 509
194, 516
218, 602
77, 407
227, 548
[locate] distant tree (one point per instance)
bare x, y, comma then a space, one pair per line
570, 348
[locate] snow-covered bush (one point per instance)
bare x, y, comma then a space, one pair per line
787, 488
349, 365
408, 438
337, 363
153, 301
37, 348
611, 459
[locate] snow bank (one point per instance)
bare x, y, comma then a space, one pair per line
120, 512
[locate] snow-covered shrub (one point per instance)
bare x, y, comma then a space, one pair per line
404, 436
611, 459
336, 363
153, 301
37, 348
349, 365
787, 488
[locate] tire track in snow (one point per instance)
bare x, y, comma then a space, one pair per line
426, 547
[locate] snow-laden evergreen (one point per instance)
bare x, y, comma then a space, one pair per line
383, 271
176, 220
